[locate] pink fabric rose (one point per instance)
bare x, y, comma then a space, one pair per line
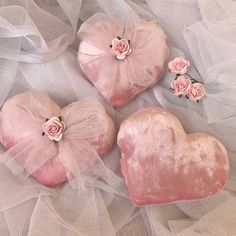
54, 128
179, 65
120, 48
181, 85
196, 92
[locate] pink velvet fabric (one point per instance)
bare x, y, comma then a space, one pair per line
120, 80
89, 134
161, 163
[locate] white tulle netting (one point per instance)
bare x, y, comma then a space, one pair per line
38, 51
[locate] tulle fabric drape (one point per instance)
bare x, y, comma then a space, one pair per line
98, 194
37, 43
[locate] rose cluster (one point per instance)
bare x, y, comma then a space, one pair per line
183, 85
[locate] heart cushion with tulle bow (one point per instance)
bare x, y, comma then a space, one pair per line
51, 143
122, 63
161, 163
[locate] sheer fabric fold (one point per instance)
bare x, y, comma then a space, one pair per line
34, 54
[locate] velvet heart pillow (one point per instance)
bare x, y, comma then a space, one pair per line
51, 143
121, 62
161, 163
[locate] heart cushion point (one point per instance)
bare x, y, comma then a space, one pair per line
162, 164
121, 80
21, 119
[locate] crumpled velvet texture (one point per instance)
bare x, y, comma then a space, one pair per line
89, 133
121, 80
161, 163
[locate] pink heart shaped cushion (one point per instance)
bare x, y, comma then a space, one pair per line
122, 62
161, 163
48, 141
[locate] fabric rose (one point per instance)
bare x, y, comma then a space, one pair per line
181, 85
179, 65
196, 92
54, 128
120, 47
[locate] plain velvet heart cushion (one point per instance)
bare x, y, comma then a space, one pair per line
28, 122
162, 164
122, 62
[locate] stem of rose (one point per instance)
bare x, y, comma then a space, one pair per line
191, 77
